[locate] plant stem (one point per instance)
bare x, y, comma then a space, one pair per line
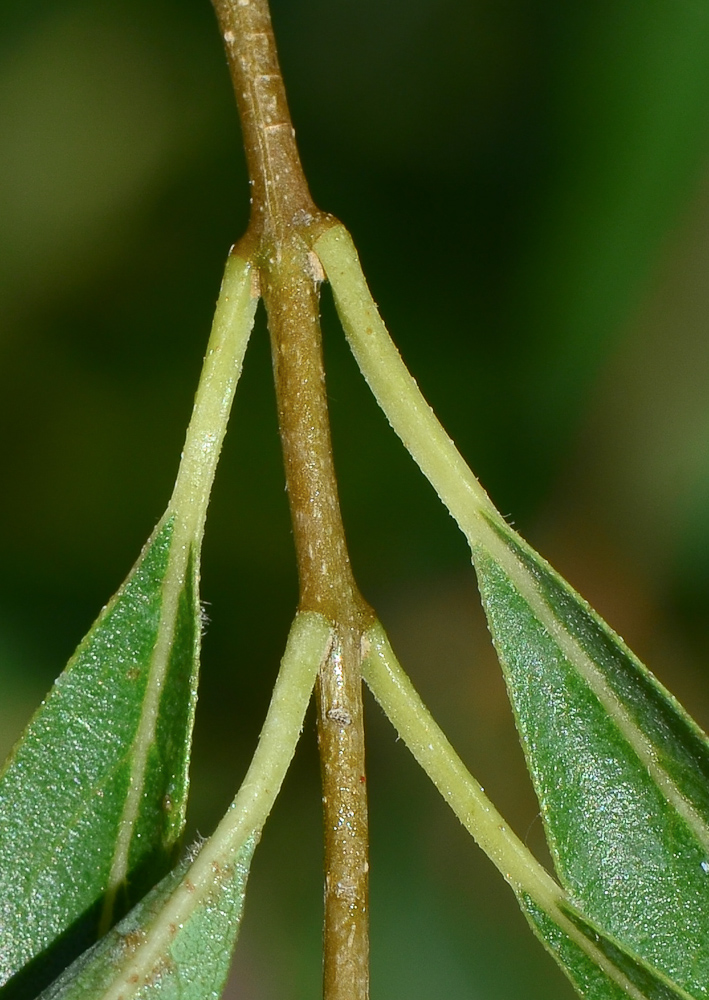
284, 222
326, 586
279, 190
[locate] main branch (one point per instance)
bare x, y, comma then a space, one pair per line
284, 223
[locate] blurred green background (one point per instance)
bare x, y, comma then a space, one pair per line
528, 184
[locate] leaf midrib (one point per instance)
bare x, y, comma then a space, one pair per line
172, 587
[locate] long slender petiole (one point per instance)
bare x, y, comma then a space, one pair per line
395, 390
414, 723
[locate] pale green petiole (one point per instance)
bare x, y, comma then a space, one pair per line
426, 440
395, 390
231, 327
397, 696
308, 646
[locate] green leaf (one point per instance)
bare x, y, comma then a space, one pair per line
96, 789
177, 942
599, 967
621, 772
93, 797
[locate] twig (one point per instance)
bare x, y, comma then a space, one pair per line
284, 223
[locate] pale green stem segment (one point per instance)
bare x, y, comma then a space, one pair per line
423, 436
231, 327
397, 696
308, 647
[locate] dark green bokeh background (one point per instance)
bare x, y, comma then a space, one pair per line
528, 185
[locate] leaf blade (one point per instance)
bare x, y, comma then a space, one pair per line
179, 967
599, 968
62, 808
665, 751
680, 748
628, 842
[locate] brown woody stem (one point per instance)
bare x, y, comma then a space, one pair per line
284, 223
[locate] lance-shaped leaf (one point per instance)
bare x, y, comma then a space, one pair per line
621, 771
93, 796
177, 942
599, 966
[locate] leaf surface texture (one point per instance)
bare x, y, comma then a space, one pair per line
620, 770
176, 943
65, 788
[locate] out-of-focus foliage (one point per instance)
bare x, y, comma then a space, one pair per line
526, 186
